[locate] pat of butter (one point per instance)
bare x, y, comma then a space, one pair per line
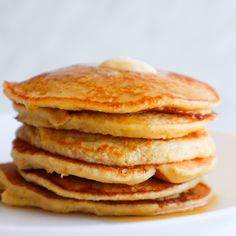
128, 64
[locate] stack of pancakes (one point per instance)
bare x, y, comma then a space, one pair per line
119, 138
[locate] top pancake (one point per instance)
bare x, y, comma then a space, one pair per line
109, 90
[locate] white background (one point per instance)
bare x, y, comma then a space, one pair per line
192, 37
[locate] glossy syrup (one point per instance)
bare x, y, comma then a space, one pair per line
211, 205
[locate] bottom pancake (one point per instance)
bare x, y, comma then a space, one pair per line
18, 192
27, 156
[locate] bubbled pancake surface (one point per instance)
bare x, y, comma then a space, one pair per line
82, 87
30, 157
152, 124
18, 192
120, 151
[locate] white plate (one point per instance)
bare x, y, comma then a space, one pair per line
216, 218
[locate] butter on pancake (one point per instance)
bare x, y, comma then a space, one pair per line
29, 157
18, 192
128, 64
119, 151
149, 124
105, 89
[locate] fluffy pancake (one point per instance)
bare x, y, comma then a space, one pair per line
82, 189
119, 151
18, 192
179, 172
29, 157
152, 125
95, 88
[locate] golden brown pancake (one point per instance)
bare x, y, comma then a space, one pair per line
95, 88
18, 192
30, 157
82, 189
119, 151
151, 125
1, 189
179, 172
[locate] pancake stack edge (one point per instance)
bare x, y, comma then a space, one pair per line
110, 140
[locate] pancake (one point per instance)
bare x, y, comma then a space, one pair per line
82, 189
29, 157
179, 172
1, 189
104, 89
118, 151
18, 192
150, 125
